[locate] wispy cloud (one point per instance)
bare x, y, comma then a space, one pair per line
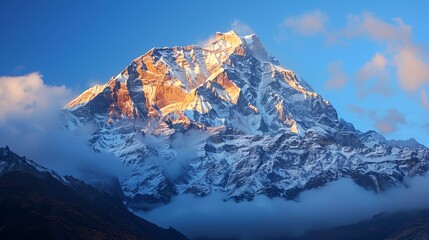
237, 26
93, 82
337, 76
424, 99
406, 58
412, 67
368, 25
19, 68
390, 122
356, 109
374, 71
309, 23
241, 28
386, 122
206, 41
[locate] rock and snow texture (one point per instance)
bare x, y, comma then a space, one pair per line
227, 117
11, 162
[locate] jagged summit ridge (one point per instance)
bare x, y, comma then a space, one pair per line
227, 117
205, 87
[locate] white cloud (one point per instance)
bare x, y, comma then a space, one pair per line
31, 125
337, 76
309, 23
27, 95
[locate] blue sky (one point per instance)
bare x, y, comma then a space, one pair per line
370, 59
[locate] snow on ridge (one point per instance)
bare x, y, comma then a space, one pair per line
228, 117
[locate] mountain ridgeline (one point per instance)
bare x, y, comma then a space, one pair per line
227, 117
37, 203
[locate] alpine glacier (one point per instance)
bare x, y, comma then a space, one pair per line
227, 117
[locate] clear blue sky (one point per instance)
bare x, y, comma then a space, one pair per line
78, 43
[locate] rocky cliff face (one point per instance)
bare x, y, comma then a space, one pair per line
227, 117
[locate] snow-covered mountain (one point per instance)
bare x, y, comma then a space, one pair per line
227, 117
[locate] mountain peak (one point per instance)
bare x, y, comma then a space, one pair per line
229, 33
257, 49
232, 82
228, 43
249, 44
231, 119
230, 36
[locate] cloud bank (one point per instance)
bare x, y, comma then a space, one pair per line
338, 203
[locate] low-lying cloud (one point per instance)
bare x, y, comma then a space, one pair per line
31, 125
174, 152
338, 203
